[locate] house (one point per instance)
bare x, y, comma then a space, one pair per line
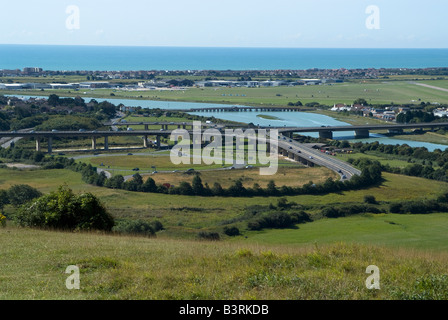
64, 85
440, 113
94, 85
340, 107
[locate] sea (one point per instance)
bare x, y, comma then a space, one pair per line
116, 58
103, 58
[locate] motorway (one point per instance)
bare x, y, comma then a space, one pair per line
345, 171
300, 150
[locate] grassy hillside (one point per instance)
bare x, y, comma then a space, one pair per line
33, 266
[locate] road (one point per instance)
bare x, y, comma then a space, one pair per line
5, 142
342, 168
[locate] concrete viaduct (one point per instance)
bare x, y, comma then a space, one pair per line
361, 131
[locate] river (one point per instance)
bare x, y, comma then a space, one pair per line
299, 119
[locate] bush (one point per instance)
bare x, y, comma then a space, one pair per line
232, 231
370, 199
214, 236
137, 227
395, 208
300, 217
276, 220
21, 194
65, 210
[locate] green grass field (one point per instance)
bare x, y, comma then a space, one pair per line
398, 231
324, 259
184, 216
34, 262
383, 159
375, 92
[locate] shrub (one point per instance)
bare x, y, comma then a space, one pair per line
63, 209
395, 207
300, 217
370, 199
21, 194
276, 220
232, 231
137, 227
214, 236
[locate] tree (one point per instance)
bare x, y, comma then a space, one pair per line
217, 189
185, 188
361, 101
115, 182
271, 188
135, 184
53, 100
149, 185
198, 187
3, 199
21, 194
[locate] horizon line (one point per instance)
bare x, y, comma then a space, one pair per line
215, 47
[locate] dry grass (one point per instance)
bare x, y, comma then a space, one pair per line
288, 176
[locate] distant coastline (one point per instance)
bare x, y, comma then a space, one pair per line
106, 58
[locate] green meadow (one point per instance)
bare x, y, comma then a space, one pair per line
323, 259
374, 92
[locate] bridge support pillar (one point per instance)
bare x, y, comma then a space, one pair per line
361, 133
145, 141
94, 143
50, 145
146, 127
326, 134
395, 131
37, 144
106, 143
158, 142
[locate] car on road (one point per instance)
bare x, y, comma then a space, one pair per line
129, 154
82, 130
290, 147
136, 169
344, 177
298, 151
54, 130
311, 157
339, 171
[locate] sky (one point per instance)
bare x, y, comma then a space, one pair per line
229, 23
